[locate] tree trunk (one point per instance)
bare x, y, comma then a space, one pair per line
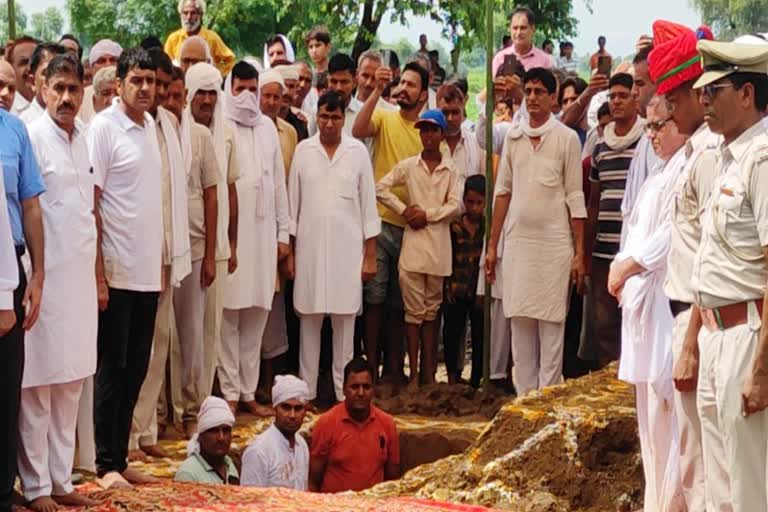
373, 12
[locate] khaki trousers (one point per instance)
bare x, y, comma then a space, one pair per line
735, 447
689, 429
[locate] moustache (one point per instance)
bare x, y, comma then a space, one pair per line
65, 107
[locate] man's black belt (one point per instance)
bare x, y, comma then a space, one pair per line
678, 307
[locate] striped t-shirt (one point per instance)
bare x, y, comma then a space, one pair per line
610, 169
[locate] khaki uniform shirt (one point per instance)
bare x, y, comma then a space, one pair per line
730, 266
203, 174
691, 194
428, 250
288, 142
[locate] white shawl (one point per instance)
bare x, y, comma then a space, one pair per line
181, 263
290, 55
620, 143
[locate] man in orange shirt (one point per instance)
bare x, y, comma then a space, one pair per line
601, 52
355, 445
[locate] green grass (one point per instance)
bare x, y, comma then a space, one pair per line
476, 80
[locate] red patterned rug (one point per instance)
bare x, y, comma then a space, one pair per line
178, 497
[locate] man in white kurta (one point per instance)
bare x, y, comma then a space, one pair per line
540, 187
637, 279
334, 223
61, 346
263, 238
279, 456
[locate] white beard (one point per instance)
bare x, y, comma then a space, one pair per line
191, 28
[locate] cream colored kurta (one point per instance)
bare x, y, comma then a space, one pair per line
61, 346
546, 188
333, 212
263, 218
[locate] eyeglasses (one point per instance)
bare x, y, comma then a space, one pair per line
711, 89
655, 127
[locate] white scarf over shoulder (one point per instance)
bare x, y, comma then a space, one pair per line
181, 262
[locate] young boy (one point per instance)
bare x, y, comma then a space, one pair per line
425, 258
460, 290
318, 42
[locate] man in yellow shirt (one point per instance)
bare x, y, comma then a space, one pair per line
192, 12
395, 138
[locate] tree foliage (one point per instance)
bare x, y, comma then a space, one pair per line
730, 18
246, 24
21, 21
47, 25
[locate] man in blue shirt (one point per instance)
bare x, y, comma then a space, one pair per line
23, 185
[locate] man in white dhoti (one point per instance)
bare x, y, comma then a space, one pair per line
541, 167
37, 65
263, 239
61, 346
675, 67
334, 225
176, 268
205, 106
636, 279
279, 457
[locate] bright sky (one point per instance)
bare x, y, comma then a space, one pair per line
621, 22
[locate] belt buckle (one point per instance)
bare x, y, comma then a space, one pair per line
711, 319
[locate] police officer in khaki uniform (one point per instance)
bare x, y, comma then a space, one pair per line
731, 272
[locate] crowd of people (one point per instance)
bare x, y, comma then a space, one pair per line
185, 235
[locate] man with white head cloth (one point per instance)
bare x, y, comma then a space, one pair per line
104, 54
191, 13
279, 457
278, 47
205, 107
263, 237
208, 460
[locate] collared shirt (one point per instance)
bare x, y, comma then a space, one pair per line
350, 114
20, 104
20, 170
357, 453
123, 155
288, 141
467, 157
568, 65
466, 249
223, 57
690, 195
729, 265
643, 162
204, 174
394, 140
196, 469
33, 112
9, 268
426, 250
270, 461
534, 58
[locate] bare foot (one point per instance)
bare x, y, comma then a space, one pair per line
113, 480
233, 406
136, 477
75, 499
257, 409
155, 451
43, 504
136, 456
413, 384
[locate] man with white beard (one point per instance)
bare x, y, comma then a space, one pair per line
263, 237
636, 279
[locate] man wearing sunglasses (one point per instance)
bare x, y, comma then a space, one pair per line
675, 66
731, 269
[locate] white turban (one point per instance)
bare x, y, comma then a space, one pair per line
290, 55
214, 412
271, 76
289, 72
202, 77
102, 48
288, 387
